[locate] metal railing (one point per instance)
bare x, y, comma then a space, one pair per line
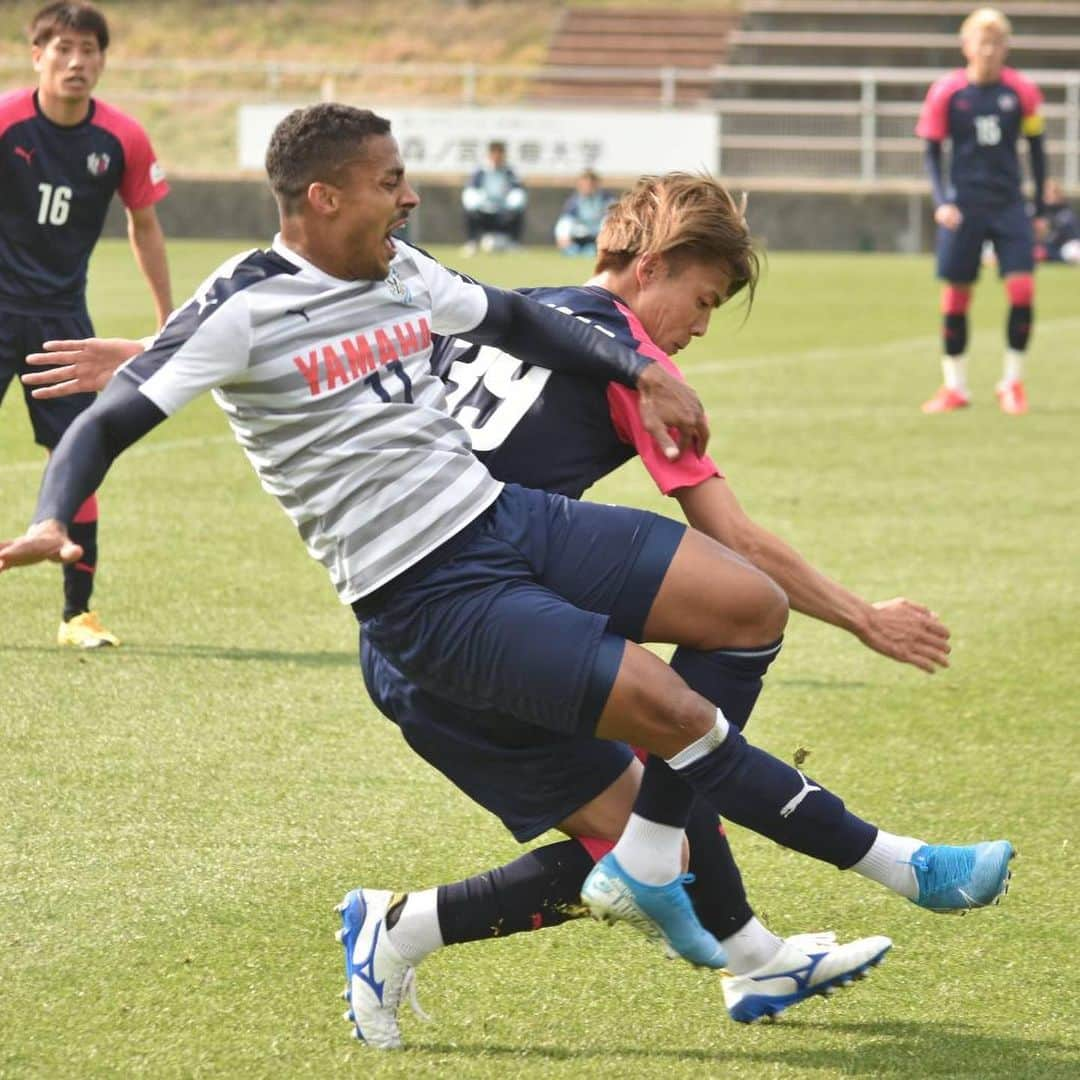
826, 123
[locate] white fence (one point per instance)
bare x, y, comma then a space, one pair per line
800, 123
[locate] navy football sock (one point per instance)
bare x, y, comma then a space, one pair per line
541, 888
954, 334
756, 790
1018, 327
717, 889
664, 796
79, 576
730, 678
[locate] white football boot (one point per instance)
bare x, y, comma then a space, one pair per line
378, 976
804, 966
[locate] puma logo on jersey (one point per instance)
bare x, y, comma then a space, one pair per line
792, 804
26, 155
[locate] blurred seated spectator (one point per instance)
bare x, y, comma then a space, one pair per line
1061, 240
494, 202
582, 215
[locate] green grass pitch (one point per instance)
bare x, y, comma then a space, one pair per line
178, 817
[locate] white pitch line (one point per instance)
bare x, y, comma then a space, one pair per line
924, 342
1067, 322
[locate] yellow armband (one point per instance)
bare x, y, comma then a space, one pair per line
1033, 125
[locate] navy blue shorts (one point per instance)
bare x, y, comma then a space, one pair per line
530, 617
1008, 228
528, 777
24, 334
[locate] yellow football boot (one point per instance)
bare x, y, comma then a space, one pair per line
85, 632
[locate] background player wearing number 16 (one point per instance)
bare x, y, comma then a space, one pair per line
63, 155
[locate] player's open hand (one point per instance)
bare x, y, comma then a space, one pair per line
45, 541
949, 216
909, 633
668, 405
77, 367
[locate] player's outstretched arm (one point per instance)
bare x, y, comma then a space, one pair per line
547, 338
77, 367
76, 468
899, 629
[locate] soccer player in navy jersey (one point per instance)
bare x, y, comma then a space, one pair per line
654, 290
983, 109
63, 155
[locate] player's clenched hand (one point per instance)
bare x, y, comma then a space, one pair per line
948, 216
47, 540
667, 403
908, 632
84, 366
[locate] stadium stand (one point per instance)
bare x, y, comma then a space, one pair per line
621, 45
830, 89
897, 33
892, 34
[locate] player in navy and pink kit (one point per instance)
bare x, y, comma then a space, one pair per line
63, 155
671, 252
563, 433
983, 109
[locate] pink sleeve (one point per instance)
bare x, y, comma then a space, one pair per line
934, 118
15, 107
143, 182
1030, 95
688, 470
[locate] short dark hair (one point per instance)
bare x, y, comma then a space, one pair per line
496, 145
54, 19
315, 143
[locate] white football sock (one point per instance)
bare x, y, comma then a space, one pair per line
652, 852
954, 369
750, 947
649, 851
417, 932
888, 862
1013, 370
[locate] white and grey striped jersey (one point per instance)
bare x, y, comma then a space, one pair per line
328, 387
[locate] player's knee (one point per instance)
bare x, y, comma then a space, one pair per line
1020, 289
775, 609
757, 615
955, 299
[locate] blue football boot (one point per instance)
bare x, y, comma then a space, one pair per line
957, 879
661, 912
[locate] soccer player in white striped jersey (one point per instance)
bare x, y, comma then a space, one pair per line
494, 595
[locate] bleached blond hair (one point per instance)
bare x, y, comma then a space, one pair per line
683, 217
989, 17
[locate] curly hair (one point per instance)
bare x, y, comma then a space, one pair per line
316, 143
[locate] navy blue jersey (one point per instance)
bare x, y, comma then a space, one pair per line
558, 432
55, 186
984, 123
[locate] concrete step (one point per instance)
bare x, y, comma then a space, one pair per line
635, 20
641, 56
613, 92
